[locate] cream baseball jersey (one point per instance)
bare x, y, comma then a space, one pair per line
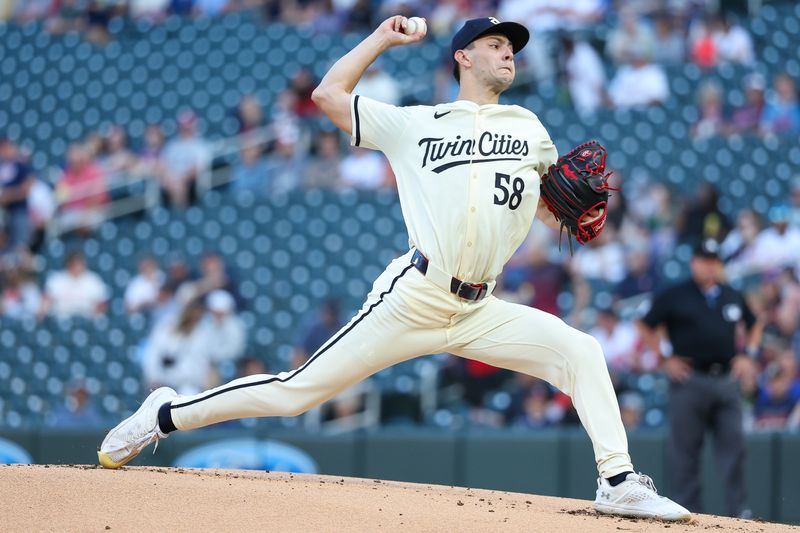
467, 175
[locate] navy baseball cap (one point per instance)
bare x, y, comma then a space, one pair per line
474, 28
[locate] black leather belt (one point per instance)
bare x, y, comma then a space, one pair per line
462, 289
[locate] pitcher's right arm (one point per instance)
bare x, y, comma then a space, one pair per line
333, 93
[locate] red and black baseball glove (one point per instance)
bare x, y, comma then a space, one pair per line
575, 186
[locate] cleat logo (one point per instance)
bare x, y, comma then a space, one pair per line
605, 495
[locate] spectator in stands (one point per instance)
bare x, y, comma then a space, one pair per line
116, 160
152, 10
302, 85
702, 218
286, 126
631, 408
794, 203
655, 211
779, 298
166, 303
314, 331
445, 15
778, 399
33, 10
631, 40
97, 15
547, 279
703, 46
251, 171
669, 44
537, 408
178, 271
213, 275
77, 411
711, 117
620, 342
142, 292
732, 41
16, 181
379, 85
285, 166
601, 260
181, 7
20, 296
746, 118
81, 191
149, 160
178, 353
66, 16
250, 366
782, 111
739, 247
323, 170
75, 291
185, 158
211, 8
641, 276
249, 114
363, 169
223, 328
325, 18
584, 73
42, 207
638, 84
478, 380
779, 244
359, 17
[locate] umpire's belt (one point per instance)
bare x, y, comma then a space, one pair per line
462, 289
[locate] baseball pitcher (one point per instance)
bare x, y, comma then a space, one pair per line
469, 175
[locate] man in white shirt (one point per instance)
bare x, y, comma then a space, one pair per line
379, 85
142, 291
468, 177
734, 44
75, 291
639, 84
223, 328
586, 76
363, 169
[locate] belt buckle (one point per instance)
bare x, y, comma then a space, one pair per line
481, 287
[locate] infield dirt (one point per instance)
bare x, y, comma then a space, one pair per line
138, 499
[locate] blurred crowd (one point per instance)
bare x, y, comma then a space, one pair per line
623, 66
284, 147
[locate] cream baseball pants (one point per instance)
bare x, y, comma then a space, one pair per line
406, 316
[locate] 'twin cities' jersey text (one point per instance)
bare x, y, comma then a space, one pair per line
488, 144
468, 177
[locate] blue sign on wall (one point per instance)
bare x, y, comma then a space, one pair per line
249, 454
11, 453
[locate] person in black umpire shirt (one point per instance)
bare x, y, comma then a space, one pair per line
701, 317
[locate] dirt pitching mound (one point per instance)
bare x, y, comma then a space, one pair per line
88, 498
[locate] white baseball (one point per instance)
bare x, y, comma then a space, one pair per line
416, 25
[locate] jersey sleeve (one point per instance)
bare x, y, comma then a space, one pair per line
548, 155
376, 125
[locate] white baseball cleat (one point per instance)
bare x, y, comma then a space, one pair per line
637, 497
136, 432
